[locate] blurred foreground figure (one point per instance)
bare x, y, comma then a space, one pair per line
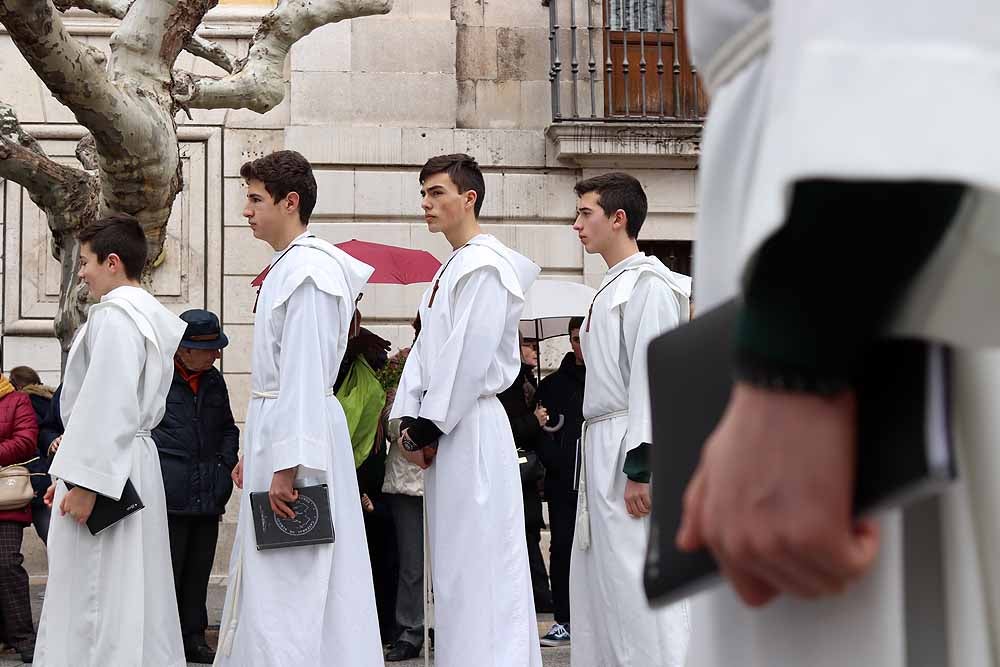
797, 160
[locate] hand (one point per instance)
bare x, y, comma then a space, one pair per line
49, 497
542, 415
78, 503
237, 474
367, 342
422, 458
637, 499
429, 454
54, 445
366, 503
772, 496
282, 492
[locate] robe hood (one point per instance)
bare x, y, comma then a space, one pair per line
638, 265
352, 276
157, 324
356, 271
522, 271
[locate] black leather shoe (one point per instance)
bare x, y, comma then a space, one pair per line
28, 656
201, 654
402, 650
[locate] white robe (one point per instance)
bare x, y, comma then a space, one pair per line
613, 625
865, 90
467, 353
110, 597
310, 605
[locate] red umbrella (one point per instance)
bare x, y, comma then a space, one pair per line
393, 265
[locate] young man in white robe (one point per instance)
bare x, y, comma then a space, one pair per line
312, 605
109, 598
639, 299
797, 154
454, 426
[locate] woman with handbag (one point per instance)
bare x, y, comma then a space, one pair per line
18, 435
527, 417
25, 380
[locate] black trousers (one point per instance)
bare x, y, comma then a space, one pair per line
533, 524
562, 524
408, 518
192, 551
381, 536
16, 627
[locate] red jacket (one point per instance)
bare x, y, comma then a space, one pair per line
18, 441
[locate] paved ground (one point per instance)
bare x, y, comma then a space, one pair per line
551, 657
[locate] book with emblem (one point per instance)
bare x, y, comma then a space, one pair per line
313, 522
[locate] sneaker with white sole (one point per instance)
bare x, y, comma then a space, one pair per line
557, 636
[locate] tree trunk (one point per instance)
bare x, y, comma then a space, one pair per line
131, 157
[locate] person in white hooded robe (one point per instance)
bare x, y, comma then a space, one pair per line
312, 605
454, 426
638, 299
826, 121
109, 599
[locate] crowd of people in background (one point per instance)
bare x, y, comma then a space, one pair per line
198, 445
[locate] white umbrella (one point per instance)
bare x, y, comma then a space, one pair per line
549, 305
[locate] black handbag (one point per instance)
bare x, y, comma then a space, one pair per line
531, 466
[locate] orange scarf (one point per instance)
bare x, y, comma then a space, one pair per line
191, 377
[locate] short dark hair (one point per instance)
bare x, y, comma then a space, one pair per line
574, 324
617, 190
22, 376
119, 234
464, 173
284, 172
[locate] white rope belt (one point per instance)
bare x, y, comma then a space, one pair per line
751, 42
274, 394
582, 534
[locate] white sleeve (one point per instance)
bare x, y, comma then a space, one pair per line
458, 375
652, 309
96, 449
410, 391
299, 427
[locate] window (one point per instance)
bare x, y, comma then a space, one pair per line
636, 15
651, 72
677, 255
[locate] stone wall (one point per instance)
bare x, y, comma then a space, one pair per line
369, 101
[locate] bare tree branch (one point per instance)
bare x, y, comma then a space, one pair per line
259, 84
198, 46
10, 128
72, 71
69, 198
151, 36
211, 51
51, 185
113, 8
86, 152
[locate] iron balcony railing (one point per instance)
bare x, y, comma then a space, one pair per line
621, 60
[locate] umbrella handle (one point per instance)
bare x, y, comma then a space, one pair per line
559, 425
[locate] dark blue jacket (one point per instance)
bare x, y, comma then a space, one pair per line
562, 395
198, 442
47, 410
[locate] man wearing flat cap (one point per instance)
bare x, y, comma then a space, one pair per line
198, 442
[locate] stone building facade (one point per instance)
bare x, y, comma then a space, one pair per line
368, 102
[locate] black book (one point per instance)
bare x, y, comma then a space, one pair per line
108, 511
905, 449
313, 522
